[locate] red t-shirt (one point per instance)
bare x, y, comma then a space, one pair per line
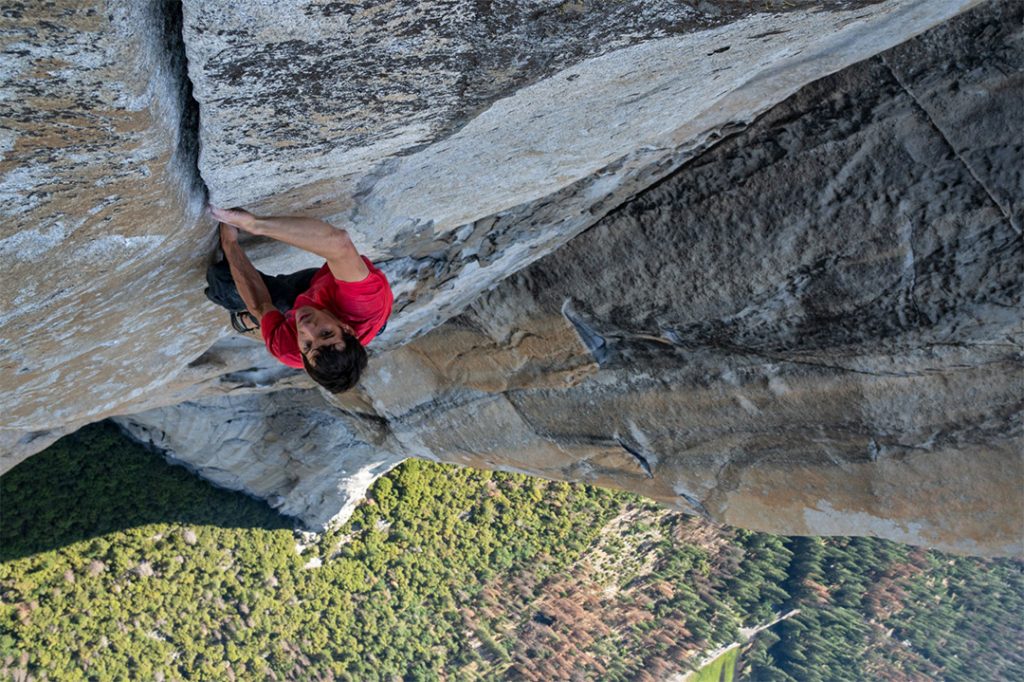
365, 305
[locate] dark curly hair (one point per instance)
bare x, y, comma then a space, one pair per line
338, 370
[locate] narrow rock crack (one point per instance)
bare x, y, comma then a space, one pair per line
169, 18
945, 138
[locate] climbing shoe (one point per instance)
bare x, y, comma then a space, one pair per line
244, 322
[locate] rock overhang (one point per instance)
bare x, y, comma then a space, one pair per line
443, 248
392, 197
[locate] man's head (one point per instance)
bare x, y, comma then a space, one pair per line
332, 355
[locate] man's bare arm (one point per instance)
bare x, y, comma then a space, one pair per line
309, 234
250, 285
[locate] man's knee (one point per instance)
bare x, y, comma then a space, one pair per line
221, 287
284, 289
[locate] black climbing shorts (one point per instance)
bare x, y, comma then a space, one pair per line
284, 289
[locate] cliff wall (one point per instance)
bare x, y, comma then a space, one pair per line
654, 252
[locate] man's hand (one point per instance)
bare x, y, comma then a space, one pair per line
228, 235
235, 217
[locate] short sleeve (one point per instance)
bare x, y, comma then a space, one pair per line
280, 339
366, 304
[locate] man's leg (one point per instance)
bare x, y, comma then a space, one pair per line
221, 289
284, 289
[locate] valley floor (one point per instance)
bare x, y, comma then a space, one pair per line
115, 565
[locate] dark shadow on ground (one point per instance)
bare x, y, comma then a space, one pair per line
97, 481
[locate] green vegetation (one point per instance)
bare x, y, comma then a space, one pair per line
115, 565
878, 610
722, 669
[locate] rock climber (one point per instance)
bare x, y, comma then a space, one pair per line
318, 319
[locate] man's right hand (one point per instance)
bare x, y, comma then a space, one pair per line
235, 217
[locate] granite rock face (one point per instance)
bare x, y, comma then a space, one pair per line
827, 354
617, 257
563, 112
101, 207
511, 128
282, 447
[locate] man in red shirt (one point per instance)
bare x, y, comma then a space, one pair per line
321, 326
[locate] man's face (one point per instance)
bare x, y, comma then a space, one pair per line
316, 329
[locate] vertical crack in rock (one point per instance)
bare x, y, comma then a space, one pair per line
168, 18
1005, 210
591, 338
696, 505
639, 456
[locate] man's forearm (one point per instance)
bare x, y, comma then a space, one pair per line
248, 281
308, 234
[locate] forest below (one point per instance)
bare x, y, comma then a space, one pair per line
117, 565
